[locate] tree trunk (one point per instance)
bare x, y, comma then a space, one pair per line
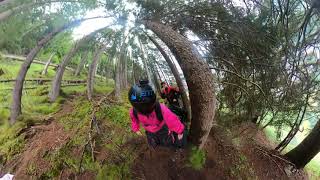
294, 130
133, 74
307, 149
125, 73
176, 74
92, 70
144, 59
156, 79
108, 69
123, 66
17, 91
56, 83
199, 79
121, 70
117, 81
83, 60
159, 69
45, 70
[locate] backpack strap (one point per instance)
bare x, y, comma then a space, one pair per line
135, 113
159, 112
157, 109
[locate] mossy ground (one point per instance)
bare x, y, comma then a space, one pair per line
35, 105
114, 129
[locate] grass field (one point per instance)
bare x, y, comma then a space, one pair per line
35, 101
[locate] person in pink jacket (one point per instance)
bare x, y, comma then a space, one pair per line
163, 127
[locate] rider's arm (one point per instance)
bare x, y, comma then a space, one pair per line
172, 121
134, 122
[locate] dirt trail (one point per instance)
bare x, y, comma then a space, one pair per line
224, 160
41, 140
170, 164
246, 154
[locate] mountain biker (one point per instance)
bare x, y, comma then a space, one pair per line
163, 128
172, 95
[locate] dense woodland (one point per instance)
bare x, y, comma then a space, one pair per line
253, 62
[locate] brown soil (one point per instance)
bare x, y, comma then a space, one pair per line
163, 163
223, 160
245, 154
41, 140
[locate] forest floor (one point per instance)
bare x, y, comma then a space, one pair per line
70, 145
78, 139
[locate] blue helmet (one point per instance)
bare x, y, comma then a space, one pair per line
142, 97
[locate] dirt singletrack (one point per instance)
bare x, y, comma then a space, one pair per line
250, 158
41, 139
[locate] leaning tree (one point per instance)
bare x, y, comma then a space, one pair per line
17, 91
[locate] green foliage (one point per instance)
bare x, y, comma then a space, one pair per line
111, 171
197, 158
102, 87
313, 169
79, 117
118, 114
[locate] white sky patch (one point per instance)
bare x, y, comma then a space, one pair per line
192, 37
89, 26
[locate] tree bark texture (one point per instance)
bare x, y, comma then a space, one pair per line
45, 70
123, 70
156, 79
117, 82
307, 149
83, 60
145, 63
176, 75
56, 83
125, 73
199, 79
92, 70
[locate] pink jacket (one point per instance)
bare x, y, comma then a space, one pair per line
152, 124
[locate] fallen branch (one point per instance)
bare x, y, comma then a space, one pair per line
276, 156
35, 87
41, 80
23, 58
267, 154
93, 123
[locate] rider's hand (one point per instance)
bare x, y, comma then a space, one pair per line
180, 136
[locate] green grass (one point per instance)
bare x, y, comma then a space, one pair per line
197, 158
35, 105
313, 169
11, 69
